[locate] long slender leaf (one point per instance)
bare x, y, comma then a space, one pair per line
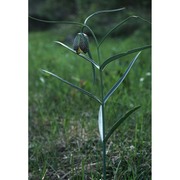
103, 11
74, 86
81, 55
115, 27
68, 22
120, 121
118, 25
121, 79
57, 22
113, 58
100, 122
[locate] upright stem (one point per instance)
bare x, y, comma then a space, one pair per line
104, 144
103, 123
103, 119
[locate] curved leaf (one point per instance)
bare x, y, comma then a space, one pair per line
120, 121
121, 79
74, 86
119, 24
81, 55
113, 58
103, 11
57, 22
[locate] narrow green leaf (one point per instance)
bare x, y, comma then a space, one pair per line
100, 122
103, 11
121, 79
57, 22
64, 45
81, 55
74, 86
113, 58
120, 121
118, 25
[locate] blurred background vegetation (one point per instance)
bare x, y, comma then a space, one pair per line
78, 10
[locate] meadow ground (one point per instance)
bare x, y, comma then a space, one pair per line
64, 141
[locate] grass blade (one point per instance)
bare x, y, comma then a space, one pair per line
103, 11
120, 121
113, 58
81, 55
121, 79
74, 86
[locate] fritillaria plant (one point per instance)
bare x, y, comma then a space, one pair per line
81, 48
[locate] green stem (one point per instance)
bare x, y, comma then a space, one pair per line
103, 116
93, 68
103, 123
92, 32
104, 145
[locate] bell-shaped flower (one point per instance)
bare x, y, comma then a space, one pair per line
81, 43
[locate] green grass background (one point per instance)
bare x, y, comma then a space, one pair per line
64, 140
